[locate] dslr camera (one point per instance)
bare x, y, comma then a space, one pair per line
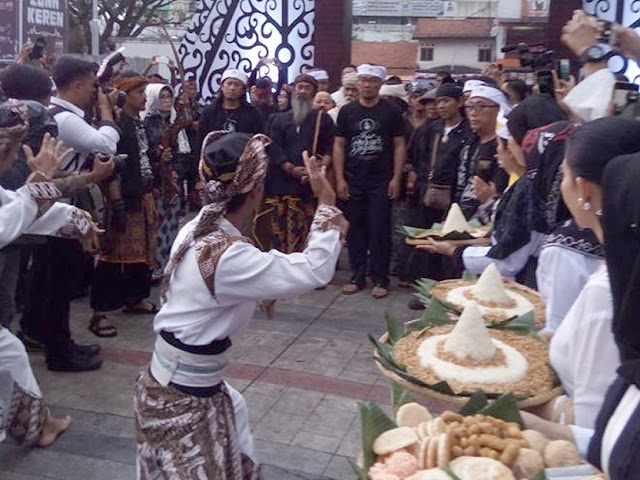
539, 59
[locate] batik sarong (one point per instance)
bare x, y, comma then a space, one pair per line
182, 436
283, 223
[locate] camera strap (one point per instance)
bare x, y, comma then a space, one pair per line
73, 164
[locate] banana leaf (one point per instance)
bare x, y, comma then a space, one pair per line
451, 474
374, 422
467, 275
361, 474
505, 408
395, 328
437, 313
477, 402
539, 476
399, 396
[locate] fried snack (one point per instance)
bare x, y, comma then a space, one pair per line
445, 445
394, 439
401, 463
475, 468
561, 453
528, 463
412, 415
535, 440
432, 453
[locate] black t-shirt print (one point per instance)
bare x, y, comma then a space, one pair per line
369, 134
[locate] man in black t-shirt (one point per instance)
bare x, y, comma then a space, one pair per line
288, 206
230, 111
369, 155
480, 178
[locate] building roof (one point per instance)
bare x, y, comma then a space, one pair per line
400, 58
453, 28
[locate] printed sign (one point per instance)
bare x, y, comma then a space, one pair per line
535, 8
394, 8
9, 44
48, 19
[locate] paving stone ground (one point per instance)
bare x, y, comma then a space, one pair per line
301, 373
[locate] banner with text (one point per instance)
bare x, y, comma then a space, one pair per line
47, 19
9, 44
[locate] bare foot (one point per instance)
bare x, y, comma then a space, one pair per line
53, 427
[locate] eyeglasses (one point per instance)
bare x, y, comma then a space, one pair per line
478, 108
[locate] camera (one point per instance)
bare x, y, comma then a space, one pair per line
105, 74
625, 100
119, 163
539, 59
38, 48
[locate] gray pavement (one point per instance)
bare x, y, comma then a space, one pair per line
301, 373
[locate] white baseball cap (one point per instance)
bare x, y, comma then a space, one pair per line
236, 75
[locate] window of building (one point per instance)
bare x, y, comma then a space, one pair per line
485, 54
426, 53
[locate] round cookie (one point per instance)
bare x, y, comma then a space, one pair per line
432, 453
475, 468
422, 453
412, 415
394, 439
536, 440
445, 446
528, 463
561, 453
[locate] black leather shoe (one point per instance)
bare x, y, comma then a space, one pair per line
86, 350
73, 361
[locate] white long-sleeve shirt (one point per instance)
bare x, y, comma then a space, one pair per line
244, 275
475, 258
19, 215
562, 273
76, 133
583, 351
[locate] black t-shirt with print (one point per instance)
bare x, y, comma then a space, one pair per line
369, 134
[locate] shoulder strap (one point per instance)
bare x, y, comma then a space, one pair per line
316, 132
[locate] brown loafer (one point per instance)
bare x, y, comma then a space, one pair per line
379, 292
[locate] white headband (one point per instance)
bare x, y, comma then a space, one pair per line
501, 126
493, 94
236, 75
471, 84
372, 71
319, 75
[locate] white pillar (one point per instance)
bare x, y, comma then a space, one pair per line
21, 39
95, 29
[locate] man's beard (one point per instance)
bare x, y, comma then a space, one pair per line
301, 108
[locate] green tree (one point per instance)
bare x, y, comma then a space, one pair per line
121, 18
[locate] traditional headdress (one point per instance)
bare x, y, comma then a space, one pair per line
13, 124
126, 84
231, 164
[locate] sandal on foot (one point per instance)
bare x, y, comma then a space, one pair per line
379, 292
351, 289
147, 308
101, 327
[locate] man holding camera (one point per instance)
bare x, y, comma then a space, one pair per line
59, 267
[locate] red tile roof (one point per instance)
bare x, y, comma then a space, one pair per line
400, 58
446, 28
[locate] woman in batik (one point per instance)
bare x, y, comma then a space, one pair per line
166, 138
186, 423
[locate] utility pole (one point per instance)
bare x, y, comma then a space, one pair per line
95, 29
21, 40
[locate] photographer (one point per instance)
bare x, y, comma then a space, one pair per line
59, 266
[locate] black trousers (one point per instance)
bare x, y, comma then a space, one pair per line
57, 270
369, 215
116, 285
420, 264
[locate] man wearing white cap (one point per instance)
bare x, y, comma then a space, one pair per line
338, 95
230, 110
322, 77
478, 171
369, 155
348, 93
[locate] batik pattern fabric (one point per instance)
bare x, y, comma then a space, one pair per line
138, 242
182, 436
168, 227
283, 224
329, 217
27, 416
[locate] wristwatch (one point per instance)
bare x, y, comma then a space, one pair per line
596, 53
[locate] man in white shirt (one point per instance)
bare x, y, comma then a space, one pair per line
60, 264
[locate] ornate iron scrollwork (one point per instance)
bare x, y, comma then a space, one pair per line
237, 33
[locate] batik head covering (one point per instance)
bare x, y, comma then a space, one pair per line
128, 83
621, 228
13, 124
231, 164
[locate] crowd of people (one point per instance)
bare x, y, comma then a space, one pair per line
94, 181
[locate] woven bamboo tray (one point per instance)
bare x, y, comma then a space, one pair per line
458, 400
442, 289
